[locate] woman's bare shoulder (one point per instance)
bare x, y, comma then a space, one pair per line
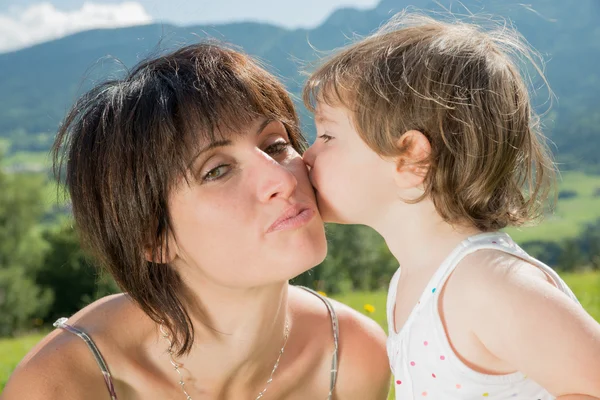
59, 367
363, 369
62, 366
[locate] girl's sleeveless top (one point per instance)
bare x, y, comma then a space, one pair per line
422, 360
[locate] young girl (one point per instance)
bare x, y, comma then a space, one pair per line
425, 133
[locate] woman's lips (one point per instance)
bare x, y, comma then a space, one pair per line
292, 218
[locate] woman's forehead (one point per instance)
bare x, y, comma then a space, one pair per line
232, 132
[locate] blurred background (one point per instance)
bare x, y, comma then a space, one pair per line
51, 52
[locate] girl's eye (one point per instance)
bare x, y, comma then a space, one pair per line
277, 148
326, 138
216, 173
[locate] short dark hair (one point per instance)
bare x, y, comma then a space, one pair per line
126, 143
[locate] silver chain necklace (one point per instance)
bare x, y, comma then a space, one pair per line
177, 365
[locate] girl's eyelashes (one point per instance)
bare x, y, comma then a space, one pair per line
325, 137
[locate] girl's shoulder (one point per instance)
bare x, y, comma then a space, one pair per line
528, 319
483, 272
491, 282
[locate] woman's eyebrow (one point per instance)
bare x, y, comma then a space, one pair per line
222, 143
264, 124
212, 145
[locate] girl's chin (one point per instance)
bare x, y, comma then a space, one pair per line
331, 217
328, 213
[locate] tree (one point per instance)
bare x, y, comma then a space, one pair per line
20, 301
70, 274
21, 251
357, 258
21, 208
589, 242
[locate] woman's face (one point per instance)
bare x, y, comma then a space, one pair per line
248, 215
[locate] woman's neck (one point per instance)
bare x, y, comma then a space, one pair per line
238, 336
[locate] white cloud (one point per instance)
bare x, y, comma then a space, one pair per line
22, 27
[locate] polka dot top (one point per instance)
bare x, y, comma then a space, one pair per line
422, 360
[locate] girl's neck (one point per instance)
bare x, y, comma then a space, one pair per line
418, 236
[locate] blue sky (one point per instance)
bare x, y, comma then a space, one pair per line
25, 22
289, 13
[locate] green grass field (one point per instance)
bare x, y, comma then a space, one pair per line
31, 160
4, 145
571, 215
12, 351
586, 286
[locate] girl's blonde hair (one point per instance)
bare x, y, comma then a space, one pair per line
460, 86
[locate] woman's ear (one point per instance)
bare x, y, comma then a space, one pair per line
162, 251
413, 164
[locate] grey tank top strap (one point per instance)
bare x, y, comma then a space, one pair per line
336, 336
62, 323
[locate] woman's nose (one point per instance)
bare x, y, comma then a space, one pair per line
275, 180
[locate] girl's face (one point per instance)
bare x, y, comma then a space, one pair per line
248, 215
352, 182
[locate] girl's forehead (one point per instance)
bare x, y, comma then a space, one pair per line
331, 114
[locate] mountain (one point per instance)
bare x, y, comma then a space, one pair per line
38, 84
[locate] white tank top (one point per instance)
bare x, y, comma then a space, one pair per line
422, 360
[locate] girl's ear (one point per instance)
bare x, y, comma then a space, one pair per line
412, 166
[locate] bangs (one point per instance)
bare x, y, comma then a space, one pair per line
200, 104
228, 119
330, 85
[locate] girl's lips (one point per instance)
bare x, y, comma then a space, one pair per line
292, 218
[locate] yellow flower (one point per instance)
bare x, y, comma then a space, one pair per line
322, 293
369, 308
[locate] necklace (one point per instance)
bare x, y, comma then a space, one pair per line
177, 365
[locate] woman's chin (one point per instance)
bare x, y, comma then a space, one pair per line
307, 257
315, 249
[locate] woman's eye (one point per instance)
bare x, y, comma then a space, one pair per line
277, 148
216, 173
326, 138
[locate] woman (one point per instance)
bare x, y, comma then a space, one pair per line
187, 185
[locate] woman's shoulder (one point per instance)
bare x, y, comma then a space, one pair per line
363, 367
110, 318
56, 368
62, 366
